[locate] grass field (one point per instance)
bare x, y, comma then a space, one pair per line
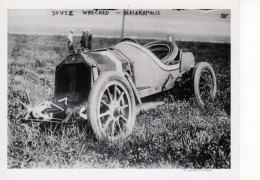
178, 134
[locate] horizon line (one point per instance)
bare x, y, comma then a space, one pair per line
111, 36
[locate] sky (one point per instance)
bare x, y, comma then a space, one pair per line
195, 25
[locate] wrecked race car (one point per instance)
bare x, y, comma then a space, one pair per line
105, 87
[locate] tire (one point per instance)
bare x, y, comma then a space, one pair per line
111, 117
173, 50
204, 83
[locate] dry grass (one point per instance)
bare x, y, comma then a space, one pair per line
178, 134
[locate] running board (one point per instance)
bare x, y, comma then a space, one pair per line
147, 106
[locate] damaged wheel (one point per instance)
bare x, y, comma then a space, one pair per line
111, 107
205, 85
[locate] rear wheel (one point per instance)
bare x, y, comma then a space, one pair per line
111, 107
204, 81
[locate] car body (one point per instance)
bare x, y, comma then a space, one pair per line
105, 87
148, 73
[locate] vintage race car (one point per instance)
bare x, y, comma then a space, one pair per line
105, 87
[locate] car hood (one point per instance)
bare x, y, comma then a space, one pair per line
104, 60
110, 60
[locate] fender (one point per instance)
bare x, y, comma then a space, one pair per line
187, 62
134, 88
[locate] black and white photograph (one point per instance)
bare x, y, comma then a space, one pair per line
119, 88
122, 90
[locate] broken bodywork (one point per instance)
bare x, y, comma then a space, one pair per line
75, 75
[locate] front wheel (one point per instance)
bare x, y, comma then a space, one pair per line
111, 107
205, 84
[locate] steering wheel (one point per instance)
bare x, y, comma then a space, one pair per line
129, 39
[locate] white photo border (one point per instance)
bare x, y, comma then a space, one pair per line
42, 174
